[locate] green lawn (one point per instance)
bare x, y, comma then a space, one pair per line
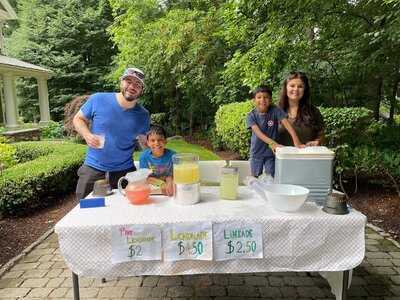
180, 146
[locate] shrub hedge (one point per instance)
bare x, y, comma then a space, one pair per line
35, 183
230, 126
360, 143
7, 154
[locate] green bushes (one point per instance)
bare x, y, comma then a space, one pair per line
53, 130
27, 151
362, 146
158, 119
7, 154
230, 125
345, 125
37, 182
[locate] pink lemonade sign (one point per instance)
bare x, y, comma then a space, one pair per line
135, 243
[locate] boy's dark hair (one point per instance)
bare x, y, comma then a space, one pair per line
156, 129
262, 89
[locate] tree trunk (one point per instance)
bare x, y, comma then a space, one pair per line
378, 98
177, 111
191, 122
393, 102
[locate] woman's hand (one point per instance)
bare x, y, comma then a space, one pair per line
298, 145
313, 143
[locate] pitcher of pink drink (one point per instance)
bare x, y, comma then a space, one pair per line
137, 191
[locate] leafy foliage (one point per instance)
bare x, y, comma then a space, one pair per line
230, 125
346, 125
7, 154
361, 145
177, 48
38, 182
69, 38
70, 110
53, 130
27, 151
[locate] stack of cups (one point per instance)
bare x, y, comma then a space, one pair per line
186, 178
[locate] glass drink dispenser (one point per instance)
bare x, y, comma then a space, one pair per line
229, 183
186, 178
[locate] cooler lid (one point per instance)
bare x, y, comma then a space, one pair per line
314, 152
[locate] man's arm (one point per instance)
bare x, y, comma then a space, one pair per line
81, 126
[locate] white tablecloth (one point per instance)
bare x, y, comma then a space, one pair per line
308, 240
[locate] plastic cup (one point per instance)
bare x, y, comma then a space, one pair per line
102, 139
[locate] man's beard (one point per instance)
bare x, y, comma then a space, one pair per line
129, 98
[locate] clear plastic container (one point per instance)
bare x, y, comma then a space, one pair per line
186, 175
137, 191
229, 183
186, 168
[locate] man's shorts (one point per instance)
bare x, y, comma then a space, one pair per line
258, 165
88, 175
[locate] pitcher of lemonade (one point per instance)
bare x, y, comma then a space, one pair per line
186, 176
137, 191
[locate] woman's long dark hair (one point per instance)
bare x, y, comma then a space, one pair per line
306, 112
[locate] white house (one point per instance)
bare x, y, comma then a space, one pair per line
11, 68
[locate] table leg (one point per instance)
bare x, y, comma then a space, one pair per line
75, 284
345, 284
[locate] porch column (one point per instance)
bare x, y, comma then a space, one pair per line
43, 100
10, 101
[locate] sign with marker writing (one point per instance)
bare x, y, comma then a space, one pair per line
237, 240
135, 243
188, 241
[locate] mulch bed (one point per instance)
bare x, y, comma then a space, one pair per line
382, 207
17, 233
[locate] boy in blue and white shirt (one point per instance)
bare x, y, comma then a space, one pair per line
263, 121
158, 159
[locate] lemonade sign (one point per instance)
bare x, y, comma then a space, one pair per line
188, 241
135, 243
237, 240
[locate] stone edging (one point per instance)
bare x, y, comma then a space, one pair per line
24, 252
384, 234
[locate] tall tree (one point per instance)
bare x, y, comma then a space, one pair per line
180, 53
68, 37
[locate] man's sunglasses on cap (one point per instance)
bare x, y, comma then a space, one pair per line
133, 72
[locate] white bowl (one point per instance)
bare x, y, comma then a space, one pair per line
286, 197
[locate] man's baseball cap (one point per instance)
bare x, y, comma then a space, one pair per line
133, 72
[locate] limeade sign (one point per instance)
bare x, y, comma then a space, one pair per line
237, 240
188, 241
135, 243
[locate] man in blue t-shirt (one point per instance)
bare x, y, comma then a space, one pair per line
118, 122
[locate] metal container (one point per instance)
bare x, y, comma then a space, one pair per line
186, 194
102, 188
336, 204
310, 167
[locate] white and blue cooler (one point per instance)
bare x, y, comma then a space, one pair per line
310, 167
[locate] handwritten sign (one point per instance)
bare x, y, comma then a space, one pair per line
237, 240
188, 241
135, 243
